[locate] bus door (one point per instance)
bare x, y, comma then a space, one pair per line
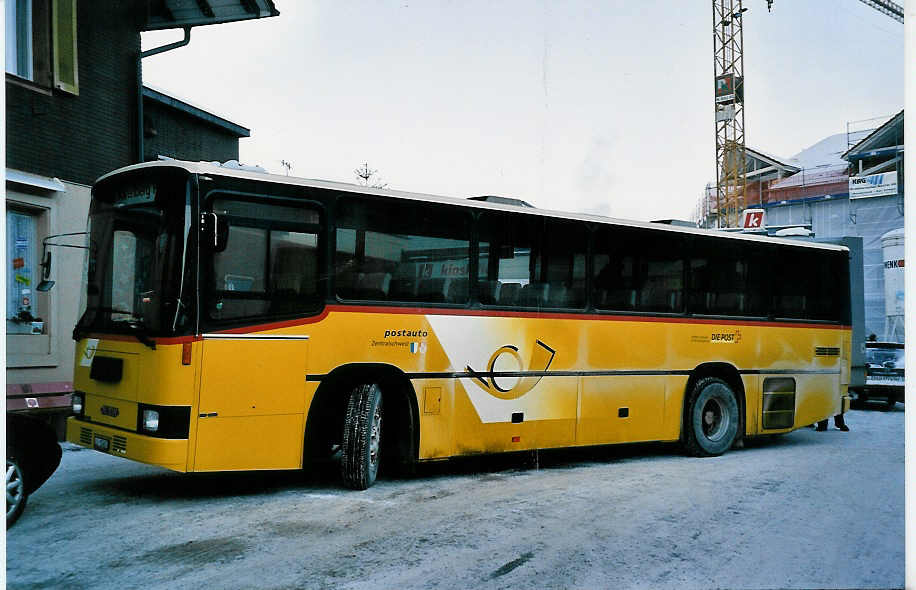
252, 402
261, 269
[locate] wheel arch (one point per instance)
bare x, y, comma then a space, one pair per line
727, 373
326, 413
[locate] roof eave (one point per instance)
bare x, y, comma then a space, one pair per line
177, 15
771, 160
196, 112
861, 145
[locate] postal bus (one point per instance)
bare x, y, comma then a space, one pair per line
242, 321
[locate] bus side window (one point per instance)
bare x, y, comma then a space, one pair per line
270, 263
508, 261
792, 286
643, 272
401, 252
728, 279
531, 262
565, 251
614, 284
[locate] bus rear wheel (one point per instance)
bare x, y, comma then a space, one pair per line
362, 437
712, 418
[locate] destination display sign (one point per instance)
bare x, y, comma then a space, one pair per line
136, 195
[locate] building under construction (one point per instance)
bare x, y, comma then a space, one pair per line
846, 185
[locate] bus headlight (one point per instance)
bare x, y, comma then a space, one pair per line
76, 401
151, 420
163, 421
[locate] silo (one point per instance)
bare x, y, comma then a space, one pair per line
892, 247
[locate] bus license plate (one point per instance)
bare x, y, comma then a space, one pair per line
101, 444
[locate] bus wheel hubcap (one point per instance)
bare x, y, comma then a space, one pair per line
14, 486
715, 420
375, 436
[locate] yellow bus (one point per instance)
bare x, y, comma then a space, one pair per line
242, 321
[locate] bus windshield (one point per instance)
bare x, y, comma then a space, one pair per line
138, 233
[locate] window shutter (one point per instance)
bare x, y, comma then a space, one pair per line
66, 76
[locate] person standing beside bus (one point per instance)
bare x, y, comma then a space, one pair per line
839, 421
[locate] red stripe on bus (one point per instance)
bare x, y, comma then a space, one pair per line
423, 311
157, 339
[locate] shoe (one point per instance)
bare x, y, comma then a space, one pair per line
844, 428
821, 428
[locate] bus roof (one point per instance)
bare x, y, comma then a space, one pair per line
212, 168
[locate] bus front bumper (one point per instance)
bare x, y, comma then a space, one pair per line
168, 453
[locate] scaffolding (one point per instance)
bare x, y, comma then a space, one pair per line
856, 131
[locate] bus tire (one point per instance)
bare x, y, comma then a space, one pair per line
712, 418
361, 447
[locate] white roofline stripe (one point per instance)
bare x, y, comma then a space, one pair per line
207, 168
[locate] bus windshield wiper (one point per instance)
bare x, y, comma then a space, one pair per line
135, 322
141, 335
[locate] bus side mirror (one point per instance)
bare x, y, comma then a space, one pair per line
45, 284
214, 232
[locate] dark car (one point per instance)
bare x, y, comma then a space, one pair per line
884, 375
32, 455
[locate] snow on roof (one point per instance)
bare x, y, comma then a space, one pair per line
828, 151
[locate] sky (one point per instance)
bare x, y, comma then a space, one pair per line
600, 107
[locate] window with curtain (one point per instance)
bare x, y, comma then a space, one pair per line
22, 273
37, 30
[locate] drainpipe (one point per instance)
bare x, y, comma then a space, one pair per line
148, 53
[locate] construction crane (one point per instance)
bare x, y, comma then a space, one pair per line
728, 68
891, 9
728, 72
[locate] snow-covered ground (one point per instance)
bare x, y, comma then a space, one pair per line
805, 510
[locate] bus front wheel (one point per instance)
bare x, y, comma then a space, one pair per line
712, 419
362, 436
16, 496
